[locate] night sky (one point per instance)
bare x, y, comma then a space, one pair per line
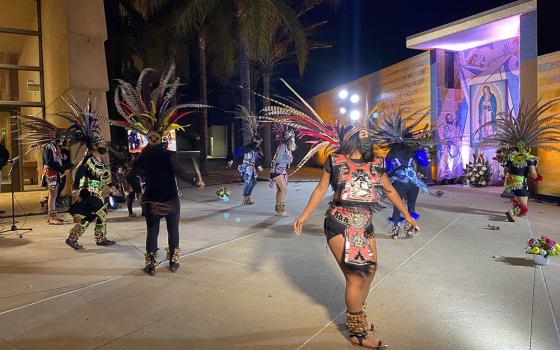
368, 35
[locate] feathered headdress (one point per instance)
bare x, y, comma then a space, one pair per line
282, 133
400, 127
250, 122
147, 108
529, 129
39, 132
84, 121
307, 123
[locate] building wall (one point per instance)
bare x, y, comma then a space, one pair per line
549, 88
405, 83
74, 33
408, 83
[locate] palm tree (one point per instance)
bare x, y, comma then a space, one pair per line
203, 22
282, 47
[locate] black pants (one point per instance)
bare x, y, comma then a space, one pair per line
153, 218
130, 200
411, 192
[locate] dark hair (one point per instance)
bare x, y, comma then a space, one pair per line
353, 144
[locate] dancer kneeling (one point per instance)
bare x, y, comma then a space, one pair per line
354, 175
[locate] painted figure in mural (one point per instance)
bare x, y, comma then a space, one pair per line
280, 164
487, 110
355, 176
534, 126
451, 159
252, 156
153, 115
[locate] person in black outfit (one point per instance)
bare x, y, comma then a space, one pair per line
159, 166
401, 159
4, 157
134, 187
67, 165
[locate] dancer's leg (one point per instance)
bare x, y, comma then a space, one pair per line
411, 197
173, 251
130, 201
51, 205
152, 225
356, 283
281, 192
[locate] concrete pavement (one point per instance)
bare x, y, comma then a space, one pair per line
246, 282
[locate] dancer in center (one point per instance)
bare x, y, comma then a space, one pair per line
153, 111
355, 175
396, 129
280, 164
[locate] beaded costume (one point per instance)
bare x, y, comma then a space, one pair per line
515, 137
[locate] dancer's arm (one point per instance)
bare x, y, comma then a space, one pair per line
182, 174
315, 199
395, 199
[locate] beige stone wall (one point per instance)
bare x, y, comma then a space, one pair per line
74, 33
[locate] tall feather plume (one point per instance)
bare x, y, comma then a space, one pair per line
38, 132
84, 120
399, 126
146, 108
305, 121
530, 126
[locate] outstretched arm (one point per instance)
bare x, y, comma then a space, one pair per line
182, 174
315, 199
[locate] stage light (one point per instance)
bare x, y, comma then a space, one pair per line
342, 110
354, 98
355, 115
343, 94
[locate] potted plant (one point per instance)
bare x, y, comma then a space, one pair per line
542, 248
478, 173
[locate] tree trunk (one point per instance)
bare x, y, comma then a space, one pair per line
267, 130
244, 80
204, 100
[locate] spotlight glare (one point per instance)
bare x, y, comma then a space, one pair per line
343, 94
355, 115
342, 110
354, 98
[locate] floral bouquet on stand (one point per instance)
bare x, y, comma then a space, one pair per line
542, 248
223, 193
477, 173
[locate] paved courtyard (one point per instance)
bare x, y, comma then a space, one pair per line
247, 282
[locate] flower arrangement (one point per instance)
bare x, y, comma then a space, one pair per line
544, 246
223, 193
478, 173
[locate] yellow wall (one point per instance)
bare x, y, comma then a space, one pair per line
549, 88
406, 83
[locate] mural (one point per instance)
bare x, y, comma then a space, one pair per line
487, 100
496, 66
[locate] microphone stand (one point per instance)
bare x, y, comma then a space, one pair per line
14, 228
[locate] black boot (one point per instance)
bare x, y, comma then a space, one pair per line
150, 260
173, 256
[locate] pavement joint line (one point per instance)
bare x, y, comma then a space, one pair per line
550, 304
116, 277
233, 262
386, 276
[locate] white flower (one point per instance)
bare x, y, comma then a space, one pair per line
483, 183
484, 168
473, 179
476, 175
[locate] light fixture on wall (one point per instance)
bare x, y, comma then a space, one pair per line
343, 94
354, 98
342, 110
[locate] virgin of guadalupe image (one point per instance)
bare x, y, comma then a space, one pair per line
487, 109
